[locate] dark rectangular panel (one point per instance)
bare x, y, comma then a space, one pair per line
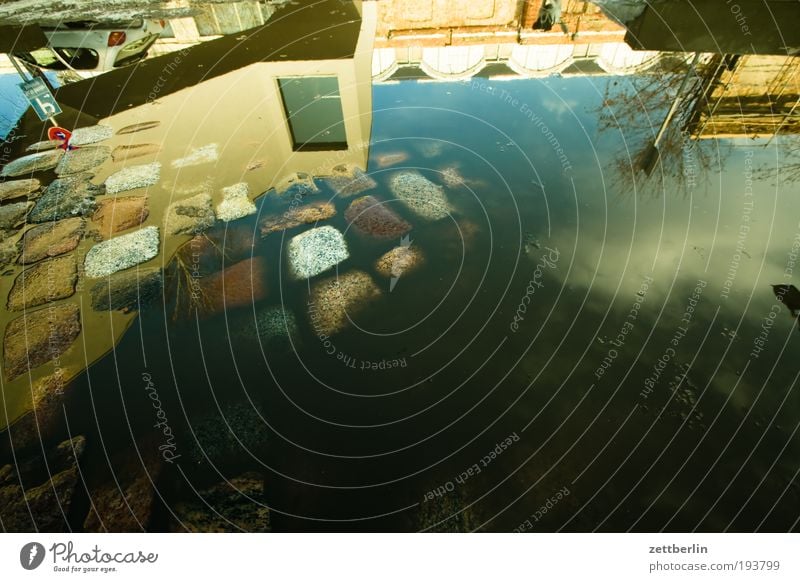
769, 27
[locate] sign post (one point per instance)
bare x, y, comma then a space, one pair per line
38, 95
41, 99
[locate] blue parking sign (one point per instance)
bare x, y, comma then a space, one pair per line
40, 98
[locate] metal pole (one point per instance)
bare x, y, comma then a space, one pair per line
677, 100
651, 154
19, 69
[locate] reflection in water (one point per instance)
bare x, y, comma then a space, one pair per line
549, 15
408, 278
789, 295
189, 155
654, 110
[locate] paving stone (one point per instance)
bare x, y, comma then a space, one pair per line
51, 239
298, 184
128, 291
348, 180
82, 159
43, 508
36, 162
88, 135
371, 217
65, 197
235, 203
11, 189
191, 215
420, 195
9, 251
133, 177
117, 214
316, 251
198, 156
37, 337
240, 505
122, 153
296, 216
400, 261
11, 215
335, 300
41, 146
44, 282
240, 285
137, 127
122, 252
390, 159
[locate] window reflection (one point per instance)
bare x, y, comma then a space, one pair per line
313, 109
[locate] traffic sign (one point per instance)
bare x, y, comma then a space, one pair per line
40, 98
57, 133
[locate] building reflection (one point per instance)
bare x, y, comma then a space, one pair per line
262, 110
282, 100
271, 98
452, 39
735, 95
749, 96
306, 101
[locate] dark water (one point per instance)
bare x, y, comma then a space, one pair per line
606, 277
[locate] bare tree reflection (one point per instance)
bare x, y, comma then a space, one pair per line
654, 112
786, 167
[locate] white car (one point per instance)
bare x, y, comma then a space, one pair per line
89, 49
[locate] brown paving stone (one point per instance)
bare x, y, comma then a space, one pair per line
51, 239
115, 215
37, 337
307, 214
11, 189
44, 282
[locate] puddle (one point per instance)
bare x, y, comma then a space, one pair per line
435, 294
